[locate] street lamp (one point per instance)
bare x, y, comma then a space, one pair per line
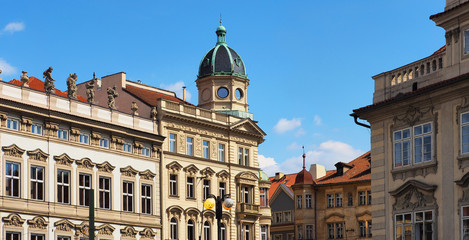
220, 203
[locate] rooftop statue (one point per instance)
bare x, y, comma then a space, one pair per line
153, 113
111, 95
90, 91
49, 81
24, 78
71, 86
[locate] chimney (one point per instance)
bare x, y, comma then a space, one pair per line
317, 171
184, 93
279, 175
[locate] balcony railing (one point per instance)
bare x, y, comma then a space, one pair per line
248, 208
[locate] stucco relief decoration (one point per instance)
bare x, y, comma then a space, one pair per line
207, 172
128, 232
223, 175
85, 163
192, 213
413, 115
456, 34
198, 146
147, 233
13, 220
174, 166
13, 151
247, 178
105, 167
175, 211
26, 123
191, 169
196, 130
464, 184
105, 229
413, 195
448, 36
51, 129
64, 225
464, 106
129, 171
155, 151
74, 132
64, 159
82, 229
147, 175
3, 119
243, 140
181, 143
213, 147
38, 223
38, 155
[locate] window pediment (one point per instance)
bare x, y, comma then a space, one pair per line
38, 223
38, 154
413, 195
13, 220
192, 212
147, 233
223, 175
147, 174
128, 231
335, 217
413, 115
105, 229
207, 172
64, 159
175, 166
129, 171
192, 169
13, 151
85, 163
64, 225
175, 211
247, 177
105, 167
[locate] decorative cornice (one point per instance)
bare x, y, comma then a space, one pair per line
412, 183
38, 154
13, 150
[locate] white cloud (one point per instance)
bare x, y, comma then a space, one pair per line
294, 146
14, 27
317, 120
268, 165
300, 132
284, 125
327, 154
177, 88
6, 68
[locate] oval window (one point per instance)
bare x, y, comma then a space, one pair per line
239, 93
222, 92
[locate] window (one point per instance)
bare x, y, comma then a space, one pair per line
206, 230
189, 146
13, 236
369, 228
330, 231
62, 134
263, 197
240, 156
190, 187
84, 184
128, 196
104, 143
466, 41
173, 185
246, 195
146, 151
246, 157
465, 222
465, 129
173, 225
104, 192
420, 137
190, 230
362, 229
205, 149
146, 199
299, 201
243, 156
63, 186
13, 179
309, 232
246, 231
63, 238
308, 201
206, 188
172, 142
368, 196
361, 198
330, 200
12, 124
287, 216
38, 237
36, 129
338, 199
299, 231
418, 224
278, 217
264, 232
37, 183
221, 152
223, 232
350, 199
84, 138
127, 147
339, 229
222, 188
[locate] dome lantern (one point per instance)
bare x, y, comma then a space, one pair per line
221, 33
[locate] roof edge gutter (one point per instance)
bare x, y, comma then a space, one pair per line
355, 118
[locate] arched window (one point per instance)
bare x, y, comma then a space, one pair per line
190, 230
173, 229
206, 230
223, 232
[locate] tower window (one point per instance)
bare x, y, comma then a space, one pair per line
239, 93
222, 92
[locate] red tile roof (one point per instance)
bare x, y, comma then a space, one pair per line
304, 177
287, 179
360, 171
37, 84
150, 97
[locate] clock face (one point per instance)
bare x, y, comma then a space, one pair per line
239, 93
222, 92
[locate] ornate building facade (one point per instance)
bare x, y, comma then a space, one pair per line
419, 140
151, 157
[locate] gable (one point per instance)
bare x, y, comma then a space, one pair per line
248, 126
282, 202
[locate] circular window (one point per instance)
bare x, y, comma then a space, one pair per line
239, 93
222, 92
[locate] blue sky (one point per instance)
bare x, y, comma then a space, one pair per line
310, 62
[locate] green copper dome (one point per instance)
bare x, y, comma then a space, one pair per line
221, 60
263, 176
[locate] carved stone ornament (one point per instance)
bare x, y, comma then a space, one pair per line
105, 167
64, 159
413, 195
174, 166
464, 184
153, 113
195, 130
85, 163
198, 146
223, 174
129, 232
64, 225
207, 172
13, 220
413, 115
147, 174
13, 151
82, 229
134, 108
448, 36
181, 143
213, 146
192, 169
38, 223
174, 211
129, 171
147, 233
38, 155
247, 176
464, 106
105, 229
456, 35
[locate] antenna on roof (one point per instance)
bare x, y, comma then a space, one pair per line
304, 157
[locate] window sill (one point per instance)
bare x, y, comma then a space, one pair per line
174, 196
463, 160
191, 198
421, 169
